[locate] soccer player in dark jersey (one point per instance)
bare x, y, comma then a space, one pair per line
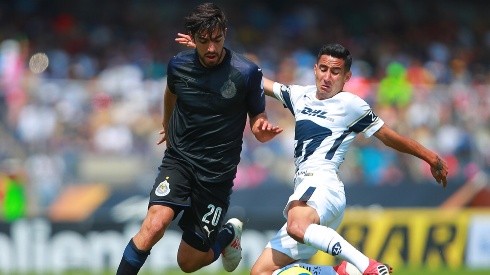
210, 91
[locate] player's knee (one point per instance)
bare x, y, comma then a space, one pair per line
258, 270
155, 224
155, 227
295, 231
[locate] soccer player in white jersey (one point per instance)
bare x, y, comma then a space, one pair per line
327, 120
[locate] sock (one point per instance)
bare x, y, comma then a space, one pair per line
132, 260
225, 236
328, 240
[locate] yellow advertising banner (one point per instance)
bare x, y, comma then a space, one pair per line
408, 237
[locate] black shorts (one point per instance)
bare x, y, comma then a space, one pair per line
204, 204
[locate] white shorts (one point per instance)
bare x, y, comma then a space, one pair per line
325, 193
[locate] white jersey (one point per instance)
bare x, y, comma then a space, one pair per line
325, 128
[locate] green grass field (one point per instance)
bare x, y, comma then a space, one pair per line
246, 272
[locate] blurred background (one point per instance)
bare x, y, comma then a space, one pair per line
78, 153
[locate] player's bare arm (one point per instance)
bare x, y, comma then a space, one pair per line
268, 87
169, 100
438, 166
262, 129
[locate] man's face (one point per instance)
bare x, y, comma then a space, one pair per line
210, 47
330, 76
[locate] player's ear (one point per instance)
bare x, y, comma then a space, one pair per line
348, 75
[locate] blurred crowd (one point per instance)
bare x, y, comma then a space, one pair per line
424, 66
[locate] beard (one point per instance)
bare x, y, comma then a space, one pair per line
210, 59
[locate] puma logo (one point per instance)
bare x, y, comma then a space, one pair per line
207, 230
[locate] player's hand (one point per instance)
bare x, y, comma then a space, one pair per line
439, 171
264, 130
162, 138
185, 39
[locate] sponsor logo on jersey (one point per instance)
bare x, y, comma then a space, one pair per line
163, 188
311, 112
228, 90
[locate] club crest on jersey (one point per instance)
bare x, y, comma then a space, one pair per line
228, 90
163, 188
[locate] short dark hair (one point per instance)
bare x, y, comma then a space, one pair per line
337, 51
205, 18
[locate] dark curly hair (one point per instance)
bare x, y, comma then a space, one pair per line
205, 19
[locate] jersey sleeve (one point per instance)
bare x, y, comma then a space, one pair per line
283, 93
365, 120
171, 74
256, 96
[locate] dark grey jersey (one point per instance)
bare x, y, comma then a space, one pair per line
207, 124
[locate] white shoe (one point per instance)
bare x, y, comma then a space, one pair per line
232, 254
